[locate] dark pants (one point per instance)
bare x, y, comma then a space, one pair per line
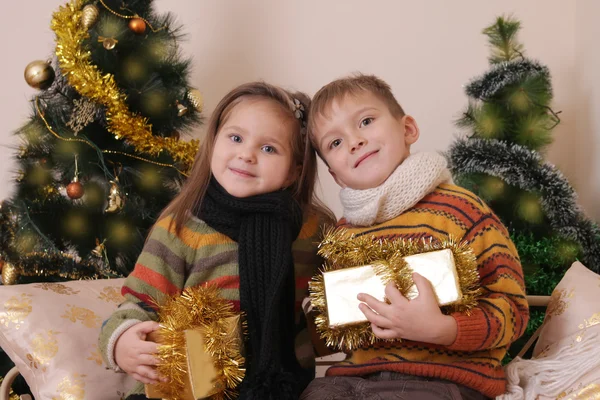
387, 386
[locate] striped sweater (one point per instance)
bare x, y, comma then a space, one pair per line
199, 255
474, 359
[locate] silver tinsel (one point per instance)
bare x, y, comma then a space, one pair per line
506, 74
525, 169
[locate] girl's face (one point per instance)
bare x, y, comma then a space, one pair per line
253, 149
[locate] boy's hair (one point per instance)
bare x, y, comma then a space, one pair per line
350, 85
294, 105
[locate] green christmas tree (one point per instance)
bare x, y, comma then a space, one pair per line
509, 121
101, 154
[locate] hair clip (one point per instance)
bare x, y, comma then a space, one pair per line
299, 111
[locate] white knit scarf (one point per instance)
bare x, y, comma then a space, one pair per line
415, 178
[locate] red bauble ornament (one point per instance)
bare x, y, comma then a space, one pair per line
75, 190
137, 26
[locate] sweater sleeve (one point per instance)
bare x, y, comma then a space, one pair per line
158, 272
502, 312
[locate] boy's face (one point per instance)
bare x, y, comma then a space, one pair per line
362, 142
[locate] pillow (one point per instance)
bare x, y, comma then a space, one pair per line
566, 359
50, 331
574, 308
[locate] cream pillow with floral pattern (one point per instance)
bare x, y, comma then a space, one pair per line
50, 331
566, 360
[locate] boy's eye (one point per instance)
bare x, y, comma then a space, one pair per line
335, 143
366, 121
236, 138
268, 149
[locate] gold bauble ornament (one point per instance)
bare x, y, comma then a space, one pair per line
89, 16
195, 97
75, 189
115, 198
137, 26
109, 43
9, 274
39, 74
181, 110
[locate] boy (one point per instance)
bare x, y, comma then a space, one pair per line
363, 135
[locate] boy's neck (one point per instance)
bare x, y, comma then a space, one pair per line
415, 178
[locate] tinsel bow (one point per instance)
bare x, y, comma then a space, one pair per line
198, 308
341, 249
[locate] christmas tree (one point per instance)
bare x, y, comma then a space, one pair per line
101, 154
510, 121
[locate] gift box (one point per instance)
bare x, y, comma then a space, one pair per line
439, 268
366, 264
203, 378
343, 285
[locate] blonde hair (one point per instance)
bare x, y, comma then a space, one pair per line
350, 85
194, 189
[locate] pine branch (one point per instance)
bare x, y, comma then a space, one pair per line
502, 36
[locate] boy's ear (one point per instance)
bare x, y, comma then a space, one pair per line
335, 178
411, 129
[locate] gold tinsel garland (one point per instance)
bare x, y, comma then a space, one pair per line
85, 77
16, 270
341, 249
198, 307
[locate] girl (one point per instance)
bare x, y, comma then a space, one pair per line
246, 221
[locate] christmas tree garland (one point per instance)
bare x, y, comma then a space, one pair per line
340, 249
523, 168
506, 74
85, 77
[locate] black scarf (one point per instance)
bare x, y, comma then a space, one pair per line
264, 226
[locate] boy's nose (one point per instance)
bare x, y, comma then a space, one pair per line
357, 145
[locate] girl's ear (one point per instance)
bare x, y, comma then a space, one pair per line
295, 173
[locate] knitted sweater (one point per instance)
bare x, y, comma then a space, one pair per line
474, 359
199, 255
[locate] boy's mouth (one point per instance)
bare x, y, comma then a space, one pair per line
364, 157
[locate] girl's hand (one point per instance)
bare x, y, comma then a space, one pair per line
135, 355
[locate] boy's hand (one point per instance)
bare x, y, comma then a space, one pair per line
135, 355
419, 319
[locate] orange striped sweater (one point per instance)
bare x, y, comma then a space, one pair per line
474, 359
198, 255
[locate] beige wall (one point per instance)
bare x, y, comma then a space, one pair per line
426, 50
585, 154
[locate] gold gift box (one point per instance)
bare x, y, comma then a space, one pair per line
343, 285
202, 382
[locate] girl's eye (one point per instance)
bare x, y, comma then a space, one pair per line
335, 143
268, 149
236, 138
366, 121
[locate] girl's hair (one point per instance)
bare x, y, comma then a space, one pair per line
295, 106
